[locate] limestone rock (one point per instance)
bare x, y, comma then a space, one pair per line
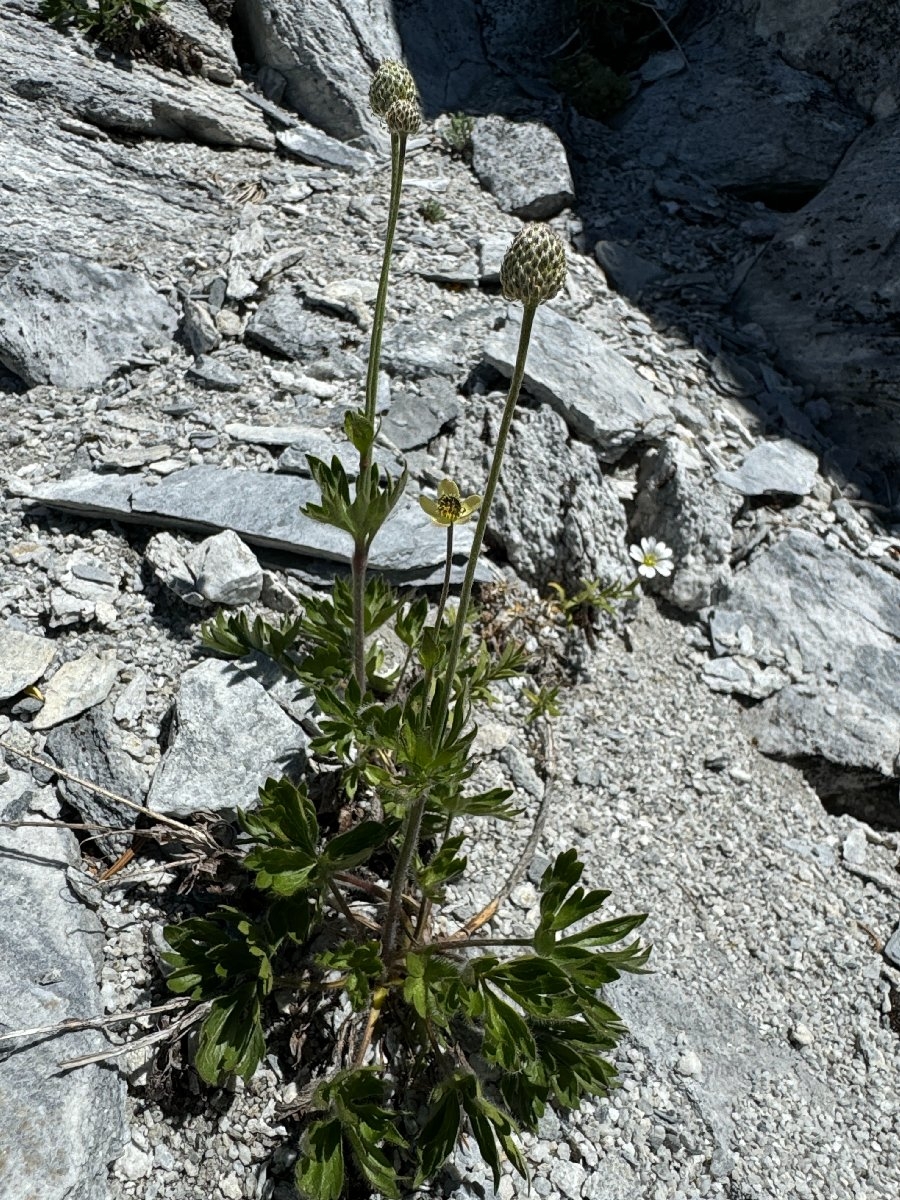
314, 146
836, 629
228, 737
58, 1131
72, 322
89, 748
680, 504
774, 468
23, 660
833, 315
599, 395
225, 570
77, 685
523, 163
415, 420
325, 51
282, 326
625, 270
745, 122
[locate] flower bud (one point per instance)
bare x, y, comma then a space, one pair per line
391, 82
404, 116
534, 267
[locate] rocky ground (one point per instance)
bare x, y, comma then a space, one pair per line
184, 312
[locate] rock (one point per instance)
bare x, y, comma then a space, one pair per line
679, 503
491, 251
414, 420
142, 101
225, 571
23, 660
246, 247
199, 328
326, 446
59, 1131
852, 43
599, 395
213, 374
892, 948
325, 51
800, 1036
228, 737
313, 146
72, 322
689, 1065
554, 515
625, 270
747, 122
415, 350
132, 700
832, 316
77, 685
282, 326
737, 673
773, 468
854, 847
523, 164
90, 749
169, 564
263, 508
837, 624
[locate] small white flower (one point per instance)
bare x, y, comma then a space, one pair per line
653, 558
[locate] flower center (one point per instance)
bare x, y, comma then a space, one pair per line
449, 507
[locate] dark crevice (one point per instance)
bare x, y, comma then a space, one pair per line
847, 791
784, 198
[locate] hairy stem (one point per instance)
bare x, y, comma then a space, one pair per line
398, 154
358, 571
445, 590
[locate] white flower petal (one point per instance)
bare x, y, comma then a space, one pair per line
646, 571
665, 568
636, 553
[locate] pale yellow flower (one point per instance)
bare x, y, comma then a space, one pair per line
449, 508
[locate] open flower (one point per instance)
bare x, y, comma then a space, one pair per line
653, 558
449, 508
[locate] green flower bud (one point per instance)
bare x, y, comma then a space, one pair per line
404, 116
392, 82
534, 267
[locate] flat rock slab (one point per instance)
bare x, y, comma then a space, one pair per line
595, 390
835, 630
71, 322
77, 686
523, 164
228, 737
58, 1131
314, 146
414, 420
263, 508
774, 468
23, 660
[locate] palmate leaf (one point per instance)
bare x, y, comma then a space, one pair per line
356, 1099
446, 864
286, 817
231, 1036
362, 965
235, 635
440, 1132
434, 988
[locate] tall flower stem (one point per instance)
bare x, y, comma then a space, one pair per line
359, 561
417, 810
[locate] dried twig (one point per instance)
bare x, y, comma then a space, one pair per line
74, 1024
184, 1022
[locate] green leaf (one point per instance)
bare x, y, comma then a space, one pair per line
231, 1036
361, 963
446, 864
433, 987
360, 430
349, 849
284, 872
439, 1133
285, 816
320, 1169
507, 1040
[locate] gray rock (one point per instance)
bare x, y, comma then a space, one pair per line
774, 467
854, 848
90, 749
837, 622
72, 322
416, 350
523, 164
132, 700
228, 736
77, 685
326, 446
263, 508
596, 391
282, 326
746, 122
314, 146
212, 374
23, 660
169, 564
199, 328
143, 101
225, 570
625, 270
852, 43
325, 51
892, 948
491, 251
554, 515
415, 420
680, 503
833, 316
59, 1131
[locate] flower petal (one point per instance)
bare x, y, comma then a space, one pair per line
665, 568
430, 507
448, 488
636, 553
647, 571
